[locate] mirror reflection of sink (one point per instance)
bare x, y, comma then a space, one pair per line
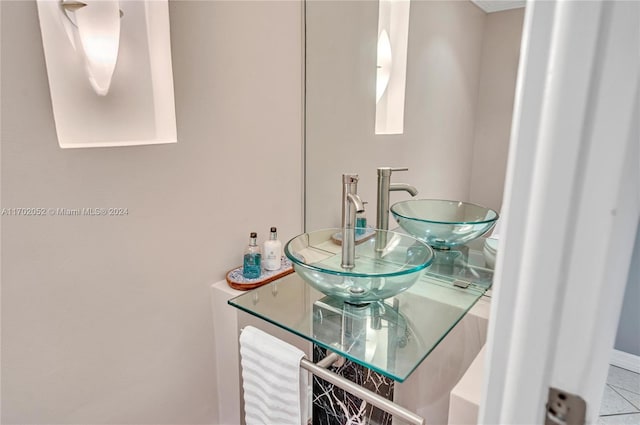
443, 224
378, 274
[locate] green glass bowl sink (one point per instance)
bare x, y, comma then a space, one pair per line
443, 224
377, 275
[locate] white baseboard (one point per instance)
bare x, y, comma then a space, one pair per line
626, 361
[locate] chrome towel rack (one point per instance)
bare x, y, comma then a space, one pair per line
319, 370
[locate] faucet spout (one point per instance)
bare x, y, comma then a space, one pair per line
358, 205
397, 187
351, 204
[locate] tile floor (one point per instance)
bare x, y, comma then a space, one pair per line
621, 399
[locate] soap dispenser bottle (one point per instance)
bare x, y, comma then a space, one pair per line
272, 251
251, 266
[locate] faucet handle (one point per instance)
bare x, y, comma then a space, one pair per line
386, 171
350, 178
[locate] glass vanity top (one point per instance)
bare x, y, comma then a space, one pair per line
392, 336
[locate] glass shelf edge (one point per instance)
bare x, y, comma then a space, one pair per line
399, 379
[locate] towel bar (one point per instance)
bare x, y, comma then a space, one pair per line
376, 400
355, 389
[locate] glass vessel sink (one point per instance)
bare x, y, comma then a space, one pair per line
317, 258
443, 224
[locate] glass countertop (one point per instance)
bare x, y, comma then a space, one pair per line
392, 336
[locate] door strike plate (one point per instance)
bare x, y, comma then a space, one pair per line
564, 408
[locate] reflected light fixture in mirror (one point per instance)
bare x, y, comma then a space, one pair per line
391, 73
384, 64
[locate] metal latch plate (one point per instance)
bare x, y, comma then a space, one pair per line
564, 408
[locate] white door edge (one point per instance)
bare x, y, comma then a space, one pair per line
571, 209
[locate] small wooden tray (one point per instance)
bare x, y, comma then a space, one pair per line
239, 282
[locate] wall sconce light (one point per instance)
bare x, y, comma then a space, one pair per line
94, 32
109, 69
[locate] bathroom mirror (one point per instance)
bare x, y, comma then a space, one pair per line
460, 76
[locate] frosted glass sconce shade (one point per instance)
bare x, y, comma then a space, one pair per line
385, 62
110, 72
97, 39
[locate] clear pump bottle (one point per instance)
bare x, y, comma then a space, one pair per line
272, 251
251, 266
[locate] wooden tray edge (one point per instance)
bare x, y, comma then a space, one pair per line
249, 286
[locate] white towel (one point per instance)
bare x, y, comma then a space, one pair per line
275, 390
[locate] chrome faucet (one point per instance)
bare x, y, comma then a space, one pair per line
351, 204
382, 209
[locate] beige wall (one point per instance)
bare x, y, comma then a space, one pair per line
497, 87
108, 320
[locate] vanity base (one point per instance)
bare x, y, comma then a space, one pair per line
334, 406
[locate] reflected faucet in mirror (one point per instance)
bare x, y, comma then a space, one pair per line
382, 207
